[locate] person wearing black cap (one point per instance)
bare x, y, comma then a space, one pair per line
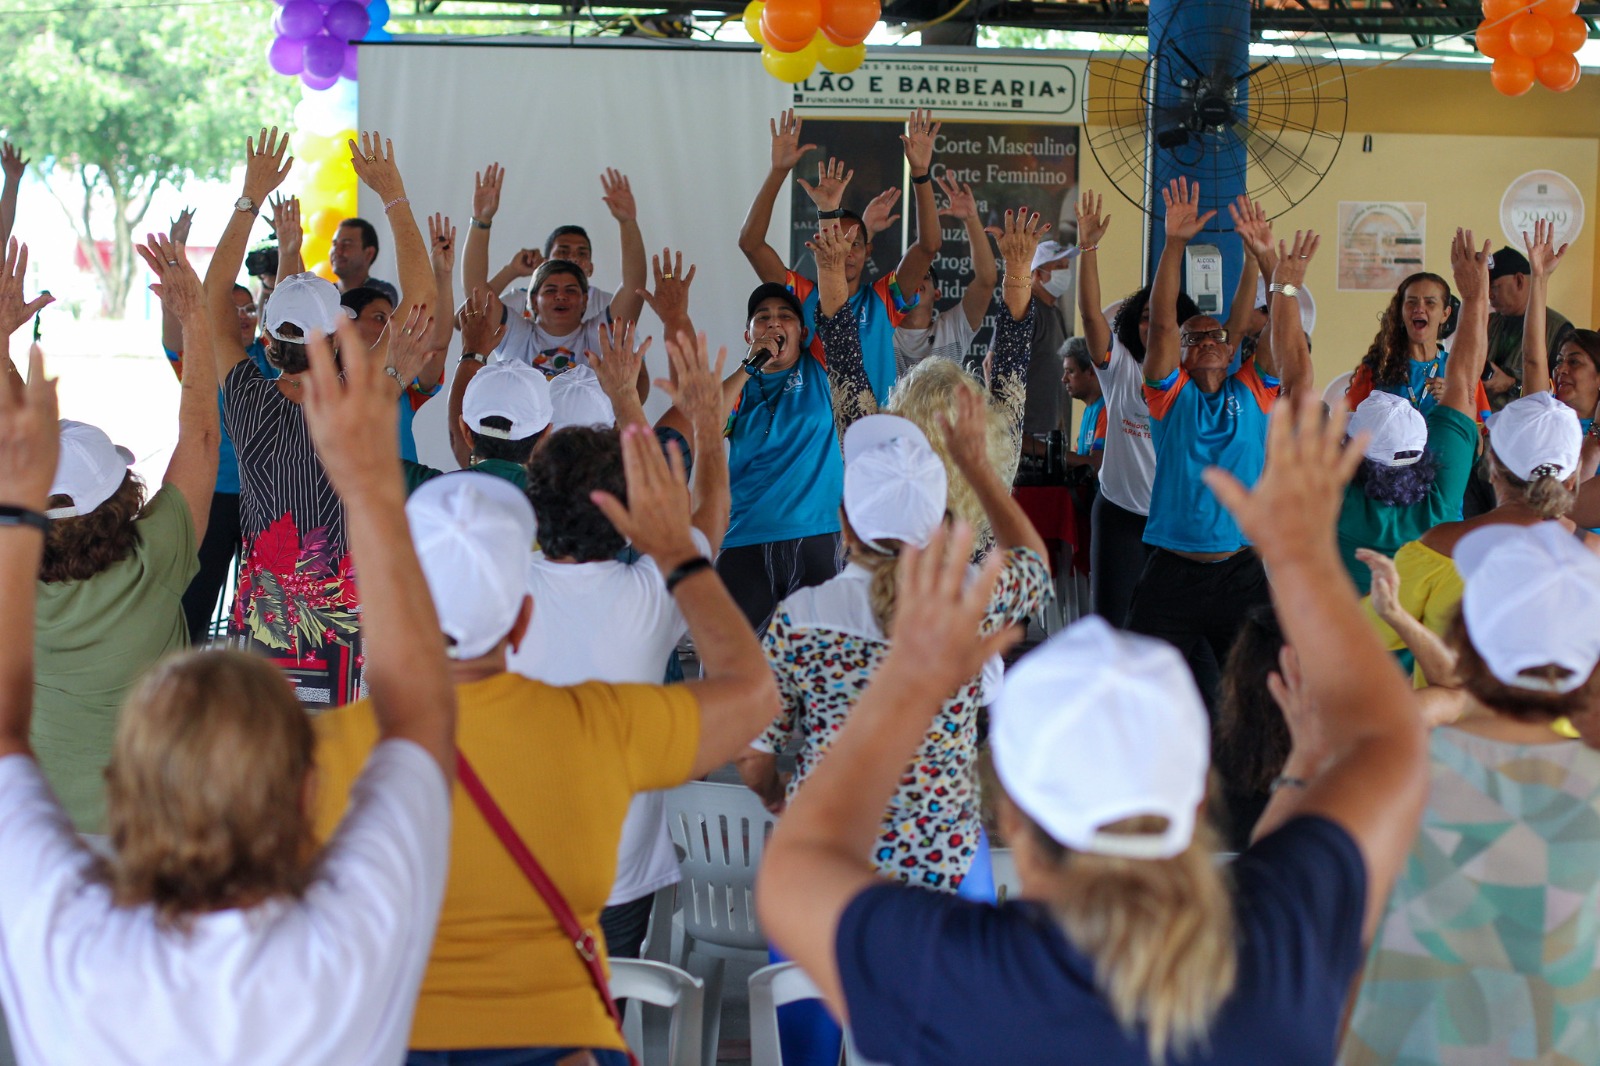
1508, 302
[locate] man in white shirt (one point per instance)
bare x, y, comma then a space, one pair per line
924, 332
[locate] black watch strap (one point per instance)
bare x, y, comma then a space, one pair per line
21, 516
686, 570
837, 212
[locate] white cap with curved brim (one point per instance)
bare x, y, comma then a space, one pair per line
305, 302
1537, 435
1531, 599
1399, 432
895, 486
474, 534
1095, 726
578, 399
511, 390
90, 470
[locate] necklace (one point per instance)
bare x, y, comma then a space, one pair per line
770, 401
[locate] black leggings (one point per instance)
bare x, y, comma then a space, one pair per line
1117, 556
217, 550
760, 576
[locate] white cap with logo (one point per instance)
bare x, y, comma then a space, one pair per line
895, 485
1399, 432
1095, 726
511, 390
1531, 599
89, 470
474, 534
1537, 435
578, 399
1051, 252
306, 302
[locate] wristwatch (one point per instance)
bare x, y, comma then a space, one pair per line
244, 203
482, 360
1287, 290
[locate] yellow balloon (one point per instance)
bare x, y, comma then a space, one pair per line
792, 67
752, 19
840, 60
309, 148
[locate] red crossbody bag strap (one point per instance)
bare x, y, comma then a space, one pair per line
583, 941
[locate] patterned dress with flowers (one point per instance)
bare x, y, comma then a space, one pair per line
296, 601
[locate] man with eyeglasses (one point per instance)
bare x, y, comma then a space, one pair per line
1203, 578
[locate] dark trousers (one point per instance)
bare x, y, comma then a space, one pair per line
1198, 608
1117, 556
217, 550
760, 576
625, 926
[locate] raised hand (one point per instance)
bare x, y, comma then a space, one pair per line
1385, 583
830, 246
670, 301
177, 285
1250, 223
1092, 225
410, 347
1287, 687
1017, 240
351, 414
617, 195
619, 359
831, 181
1470, 265
1295, 505
966, 438
945, 607
14, 310
482, 322
178, 231
374, 164
486, 185
1295, 257
525, 262
286, 225
14, 162
656, 517
878, 216
1543, 257
1184, 220
265, 165
695, 386
918, 139
963, 204
30, 434
441, 242
786, 147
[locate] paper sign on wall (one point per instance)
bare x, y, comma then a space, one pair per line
1380, 244
1542, 195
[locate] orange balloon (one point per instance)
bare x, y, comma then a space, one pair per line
1512, 75
1494, 39
1494, 10
324, 223
776, 40
791, 20
1531, 35
1570, 33
847, 22
1555, 9
1558, 71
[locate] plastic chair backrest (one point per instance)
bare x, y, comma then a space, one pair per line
1337, 388
721, 833
657, 983
775, 986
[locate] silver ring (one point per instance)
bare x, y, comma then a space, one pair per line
172, 262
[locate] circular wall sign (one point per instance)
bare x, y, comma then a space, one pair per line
1541, 194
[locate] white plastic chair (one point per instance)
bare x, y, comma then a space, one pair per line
775, 986
1006, 882
1337, 388
663, 986
721, 832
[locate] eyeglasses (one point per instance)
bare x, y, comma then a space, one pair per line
1191, 340
249, 311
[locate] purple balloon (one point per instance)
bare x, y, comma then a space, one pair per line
350, 62
324, 57
299, 18
346, 21
311, 81
287, 56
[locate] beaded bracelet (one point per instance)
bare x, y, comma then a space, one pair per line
395, 203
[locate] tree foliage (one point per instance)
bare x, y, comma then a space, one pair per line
122, 99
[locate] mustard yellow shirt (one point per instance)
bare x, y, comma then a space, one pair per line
562, 763
1430, 591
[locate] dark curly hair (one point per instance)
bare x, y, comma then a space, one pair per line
1125, 325
572, 463
289, 357
76, 549
1522, 704
1389, 354
510, 451
1397, 486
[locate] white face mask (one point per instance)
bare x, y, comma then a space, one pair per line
1060, 282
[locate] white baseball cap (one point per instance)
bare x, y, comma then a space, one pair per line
1537, 435
89, 470
895, 485
473, 534
1308, 306
511, 390
1532, 598
1399, 432
578, 399
306, 302
1049, 252
1095, 726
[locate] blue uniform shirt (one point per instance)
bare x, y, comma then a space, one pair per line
879, 308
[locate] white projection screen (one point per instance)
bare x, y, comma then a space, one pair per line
687, 125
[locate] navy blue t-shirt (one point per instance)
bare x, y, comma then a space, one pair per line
931, 979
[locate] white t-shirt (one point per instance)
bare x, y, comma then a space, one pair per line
948, 338
329, 979
528, 342
615, 622
1129, 467
516, 300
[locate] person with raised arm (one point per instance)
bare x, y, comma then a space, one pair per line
882, 305
925, 331
296, 602
1574, 376
1128, 944
1203, 576
503, 974
213, 928
15, 164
